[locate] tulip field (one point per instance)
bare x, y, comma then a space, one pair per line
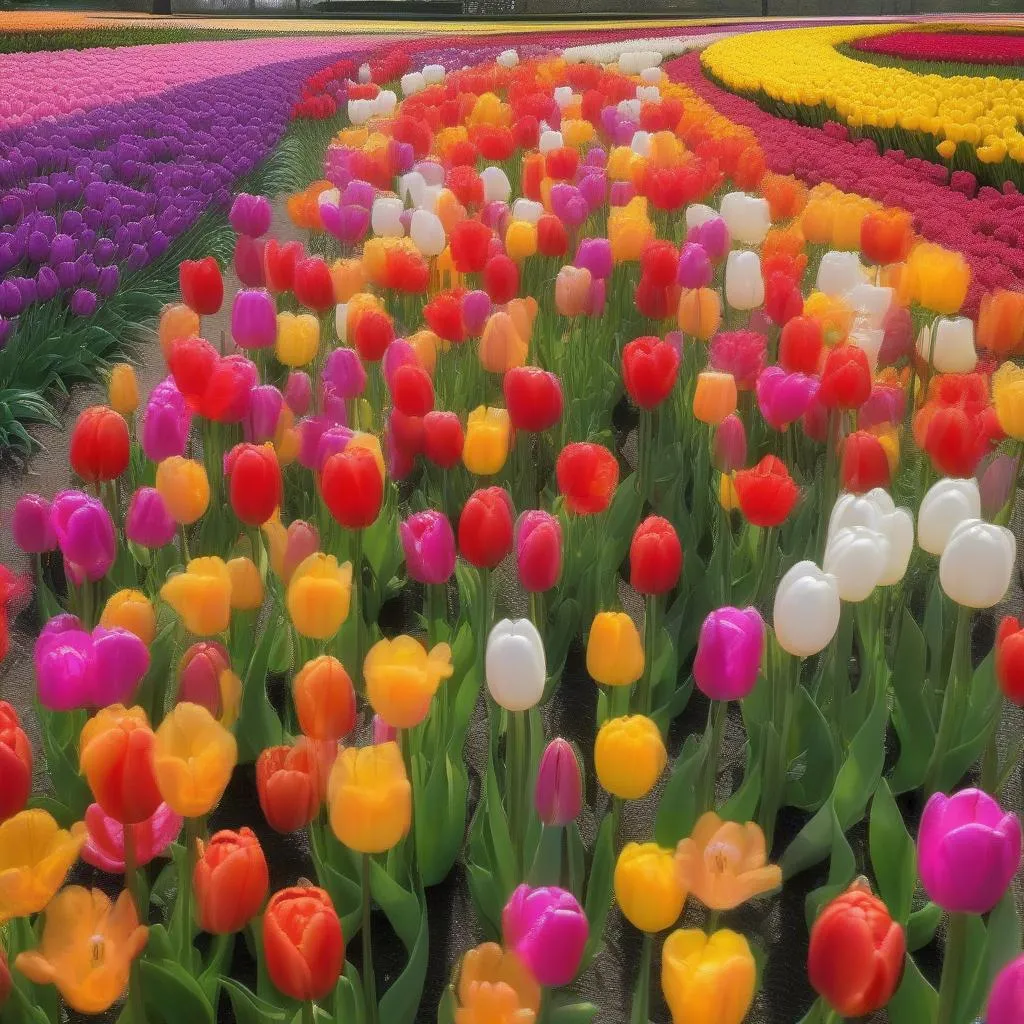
538, 545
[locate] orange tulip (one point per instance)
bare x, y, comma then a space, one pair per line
629, 230
349, 278
286, 783
325, 700
700, 312
1001, 323
502, 348
490, 965
133, 611
715, 397
817, 219
230, 881
177, 321
302, 942
786, 195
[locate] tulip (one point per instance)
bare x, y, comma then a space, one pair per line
856, 953
429, 546
319, 595
369, 798
345, 373
325, 701
253, 318
148, 522
352, 487
845, 378
533, 398
958, 834
694, 268
806, 613
487, 440
784, 397
649, 370
629, 756
280, 263
205, 677
647, 887
547, 929
87, 948
15, 763
99, 445
201, 595
744, 286
32, 526
1007, 994
766, 492
485, 527
740, 353
735, 872
714, 398
302, 942
876, 512
123, 389
287, 787
729, 450
977, 563
949, 345
495, 985
298, 391
800, 345
615, 653
255, 487
104, 844
247, 591
230, 881
296, 338
1001, 322
699, 313
193, 757
165, 422
746, 217
132, 611
558, 793
313, 285
708, 979
538, 544
946, 504
250, 215
935, 278
655, 557
587, 477
185, 488
839, 273
729, 653
402, 678
865, 464
443, 438
201, 284
857, 557
177, 321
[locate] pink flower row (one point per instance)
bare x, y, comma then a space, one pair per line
958, 47
985, 225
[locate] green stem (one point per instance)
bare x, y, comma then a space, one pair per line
516, 754
356, 607
952, 967
132, 881
713, 736
644, 454
369, 985
952, 698
192, 826
308, 1012
646, 695
990, 762
711, 924
185, 556
642, 995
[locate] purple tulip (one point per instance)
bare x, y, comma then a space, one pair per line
547, 930
359, 193
886, 404
729, 653
332, 406
349, 224
730, 444
621, 193
344, 371
1006, 1000
476, 308
249, 261
596, 297
31, 525
10, 299
558, 794
298, 392
495, 215
85, 533
569, 205
107, 280
538, 546
429, 546
310, 430
595, 254
148, 522
260, 423
784, 397
713, 235
996, 475
333, 440
254, 318
596, 156
83, 302
593, 187
695, 270
968, 850
250, 215
165, 422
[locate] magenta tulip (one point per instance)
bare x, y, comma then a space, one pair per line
429, 546
260, 423
1006, 1000
784, 397
165, 422
569, 205
713, 236
298, 392
251, 215
476, 308
595, 255
996, 476
333, 441
695, 270
968, 850
85, 533
398, 353
344, 372
32, 526
249, 263
148, 522
382, 732
254, 318
558, 795
547, 930
729, 450
104, 843
729, 653
538, 545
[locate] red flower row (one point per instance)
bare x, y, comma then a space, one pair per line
958, 47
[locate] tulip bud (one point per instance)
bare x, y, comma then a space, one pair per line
250, 215
977, 563
429, 546
100, 445
32, 526
165, 422
857, 557
1007, 994
205, 678
148, 522
806, 613
949, 345
286, 783
729, 450
615, 653
15, 769
547, 930
708, 978
746, 217
629, 756
253, 318
132, 611
184, 487
370, 798
298, 392
647, 887
946, 504
558, 795
515, 664
538, 543
655, 557
729, 653
230, 881
85, 533
123, 390
202, 286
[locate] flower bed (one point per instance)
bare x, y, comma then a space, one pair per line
955, 47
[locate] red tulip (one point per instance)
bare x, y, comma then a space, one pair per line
287, 787
280, 261
100, 445
538, 550
956, 439
228, 392
202, 287
470, 246
406, 272
372, 333
249, 261
191, 362
655, 557
501, 279
255, 482
314, 286
855, 958
561, 164
766, 492
552, 238
485, 527
443, 438
533, 398
845, 379
352, 487
865, 464
649, 369
1010, 659
587, 477
303, 943
654, 301
15, 763
659, 262
782, 299
412, 391
886, 235
407, 433
800, 345
466, 184
443, 314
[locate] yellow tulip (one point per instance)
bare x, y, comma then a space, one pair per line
402, 678
193, 758
728, 496
246, 584
488, 432
488, 966
371, 442
369, 798
298, 338
123, 391
629, 755
133, 611
707, 980
184, 486
177, 321
520, 240
1008, 398
647, 887
201, 595
615, 652
629, 230
935, 278
318, 595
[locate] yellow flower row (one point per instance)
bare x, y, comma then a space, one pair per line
803, 67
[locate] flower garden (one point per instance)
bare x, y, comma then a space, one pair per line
564, 569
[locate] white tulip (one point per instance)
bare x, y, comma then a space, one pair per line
515, 664
628, 110
528, 210
341, 321
508, 58
747, 217
857, 557
977, 563
632, 62
386, 217
951, 350
387, 100
839, 273
433, 173
433, 74
641, 143
869, 301
878, 512
365, 74
427, 232
563, 96
948, 502
329, 197
431, 194
411, 186
898, 527
550, 140
699, 213
648, 93
413, 83
496, 185
744, 286
867, 338
360, 111
652, 75
806, 614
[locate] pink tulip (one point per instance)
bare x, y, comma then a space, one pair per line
104, 844
547, 930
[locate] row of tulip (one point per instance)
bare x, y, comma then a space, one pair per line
182, 548
941, 45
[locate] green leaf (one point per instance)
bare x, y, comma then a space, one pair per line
915, 1000
812, 777
249, 1009
922, 925
258, 726
573, 1013
171, 994
893, 855
447, 1007
971, 990
678, 808
842, 870
912, 714
599, 888
441, 818
402, 999
349, 1002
